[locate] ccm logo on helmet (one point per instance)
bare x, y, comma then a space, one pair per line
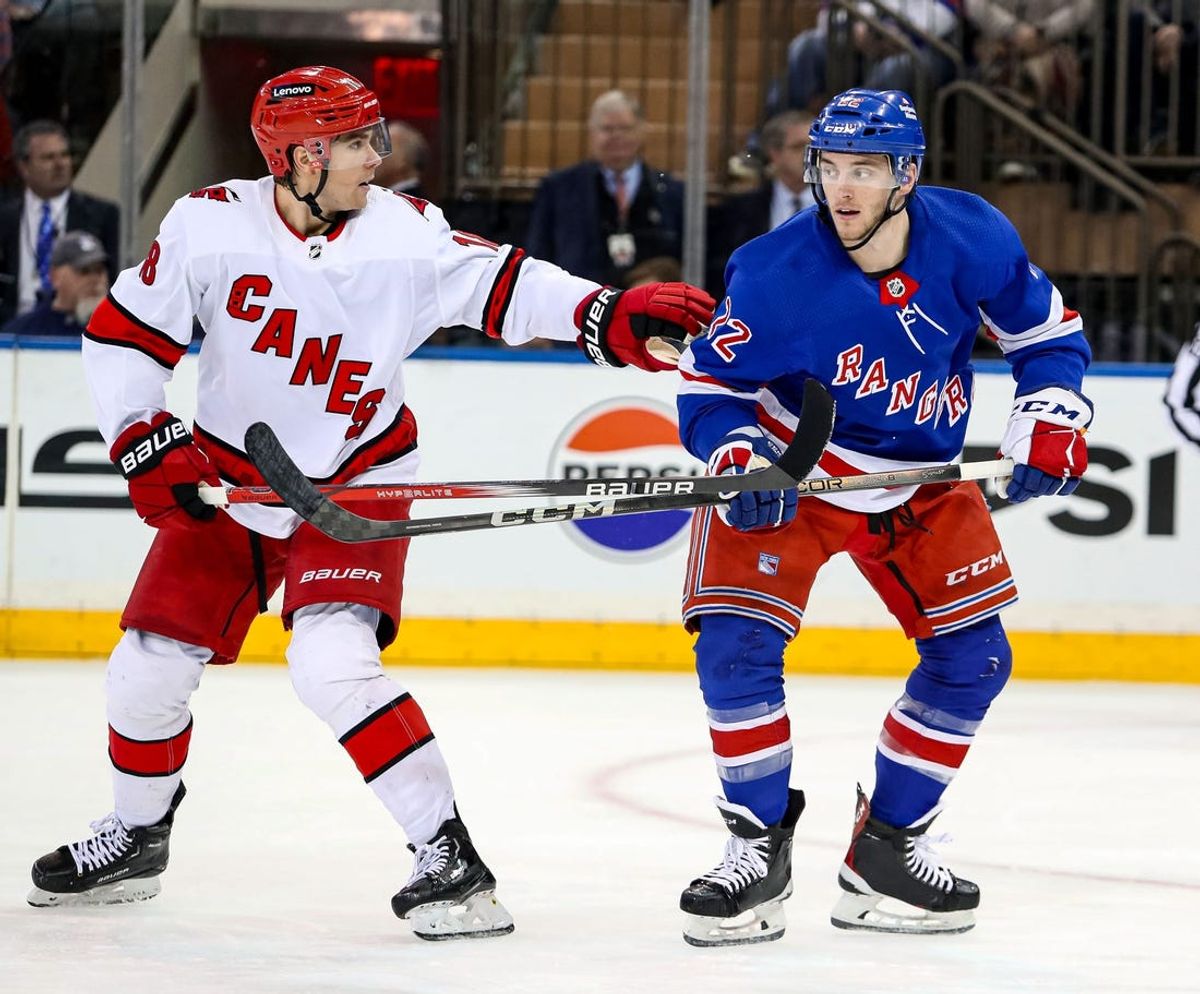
975, 568
293, 90
341, 574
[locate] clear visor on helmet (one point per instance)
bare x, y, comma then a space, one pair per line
351, 149
875, 170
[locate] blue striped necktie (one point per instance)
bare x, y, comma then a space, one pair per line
45, 242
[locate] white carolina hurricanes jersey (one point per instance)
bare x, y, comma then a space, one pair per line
307, 334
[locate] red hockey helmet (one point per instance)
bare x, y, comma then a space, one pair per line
311, 106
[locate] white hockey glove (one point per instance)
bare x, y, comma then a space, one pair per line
1045, 439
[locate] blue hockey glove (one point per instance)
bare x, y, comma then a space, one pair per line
741, 452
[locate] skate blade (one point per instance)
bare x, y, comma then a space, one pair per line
762, 924
122, 892
479, 916
876, 913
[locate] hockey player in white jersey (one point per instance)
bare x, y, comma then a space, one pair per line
313, 287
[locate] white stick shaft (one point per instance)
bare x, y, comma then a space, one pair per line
949, 473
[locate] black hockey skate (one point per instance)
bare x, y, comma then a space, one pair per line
894, 882
451, 893
115, 866
741, 901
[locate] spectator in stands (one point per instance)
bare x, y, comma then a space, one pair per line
404, 169
1167, 34
1174, 30
881, 66
79, 281
1031, 46
784, 139
30, 225
601, 217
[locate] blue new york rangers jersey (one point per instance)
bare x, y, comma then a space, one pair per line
893, 348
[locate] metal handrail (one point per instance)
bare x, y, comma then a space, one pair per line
1124, 171
1082, 162
933, 41
890, 28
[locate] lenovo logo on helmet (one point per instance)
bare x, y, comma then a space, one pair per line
293, 90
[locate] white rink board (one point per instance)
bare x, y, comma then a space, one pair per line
503, 419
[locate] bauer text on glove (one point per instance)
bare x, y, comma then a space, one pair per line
647, 326
164, 468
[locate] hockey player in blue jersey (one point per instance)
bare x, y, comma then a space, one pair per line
877, 292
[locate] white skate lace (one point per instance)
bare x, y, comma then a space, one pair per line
110, 842
429, 859
925, 864
741, 866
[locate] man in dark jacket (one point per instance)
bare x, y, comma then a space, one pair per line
784, 192
601, 217
30, 224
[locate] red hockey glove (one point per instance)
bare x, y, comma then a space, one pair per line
1045, 439
164, 468
647, 326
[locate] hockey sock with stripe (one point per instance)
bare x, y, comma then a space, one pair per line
927, 733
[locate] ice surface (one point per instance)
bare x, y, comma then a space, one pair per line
590, 796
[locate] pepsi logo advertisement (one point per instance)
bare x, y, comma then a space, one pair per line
617, 438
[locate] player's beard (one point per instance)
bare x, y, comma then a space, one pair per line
863, 223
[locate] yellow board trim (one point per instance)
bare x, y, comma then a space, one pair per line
643, 646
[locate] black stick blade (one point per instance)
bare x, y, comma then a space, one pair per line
280, 473
813, 431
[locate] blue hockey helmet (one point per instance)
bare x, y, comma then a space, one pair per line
874, 122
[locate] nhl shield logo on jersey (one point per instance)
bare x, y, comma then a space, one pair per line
625, 437
896, 289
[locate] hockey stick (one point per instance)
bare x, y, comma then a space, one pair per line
614, 487
344, 526
294, 489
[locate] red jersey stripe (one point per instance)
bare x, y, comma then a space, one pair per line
232, 464
495, 309
154, 758
111, 324
697, 378
379, 742
837, 467
775, 427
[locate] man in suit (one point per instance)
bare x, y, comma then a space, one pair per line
748, 215
30, 224
599, 218
402, 171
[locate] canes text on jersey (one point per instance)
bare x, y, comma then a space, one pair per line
317, 360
